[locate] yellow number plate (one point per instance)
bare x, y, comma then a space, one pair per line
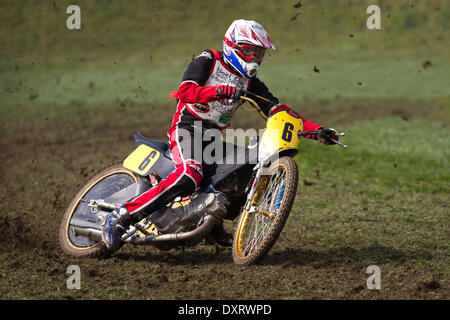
141, 160
282, 132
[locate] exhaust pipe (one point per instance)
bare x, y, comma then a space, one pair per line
213, 209
199, 232
206, 227
92, 234
212, 206
86, 228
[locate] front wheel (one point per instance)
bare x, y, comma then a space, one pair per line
100, 186
260, 227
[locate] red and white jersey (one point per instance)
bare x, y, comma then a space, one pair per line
198, 99
218, 112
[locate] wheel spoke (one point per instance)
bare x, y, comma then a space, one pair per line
260, 223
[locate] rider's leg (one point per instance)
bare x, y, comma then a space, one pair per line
182, 182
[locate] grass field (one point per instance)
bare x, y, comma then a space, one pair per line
70, 102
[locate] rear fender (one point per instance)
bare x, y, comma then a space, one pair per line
129, 193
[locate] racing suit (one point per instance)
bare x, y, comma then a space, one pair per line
198, 101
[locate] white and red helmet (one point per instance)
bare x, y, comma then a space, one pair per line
244, 45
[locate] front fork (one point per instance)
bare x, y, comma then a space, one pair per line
257, 188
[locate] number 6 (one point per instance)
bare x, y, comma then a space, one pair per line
146, 161
287, 133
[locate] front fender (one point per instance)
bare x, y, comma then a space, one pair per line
291, 152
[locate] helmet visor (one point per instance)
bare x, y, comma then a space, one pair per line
250, 52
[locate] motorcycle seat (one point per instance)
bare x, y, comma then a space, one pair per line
163, 147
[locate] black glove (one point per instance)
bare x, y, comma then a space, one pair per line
229, 92
325, 136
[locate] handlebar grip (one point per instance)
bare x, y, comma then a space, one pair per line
307, 133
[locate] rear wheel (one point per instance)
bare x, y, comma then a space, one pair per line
103, 184
260, 227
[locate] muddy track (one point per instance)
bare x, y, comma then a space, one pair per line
41, 172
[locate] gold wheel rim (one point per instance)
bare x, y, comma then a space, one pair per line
78, 202
238, 243
243, 223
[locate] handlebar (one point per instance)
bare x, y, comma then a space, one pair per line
252, 95
249, 96
307, 133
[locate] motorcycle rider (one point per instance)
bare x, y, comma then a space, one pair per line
209, 92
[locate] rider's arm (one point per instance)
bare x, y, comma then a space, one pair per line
260, 89
192, 89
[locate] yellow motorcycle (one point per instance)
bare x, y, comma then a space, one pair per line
259, 192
